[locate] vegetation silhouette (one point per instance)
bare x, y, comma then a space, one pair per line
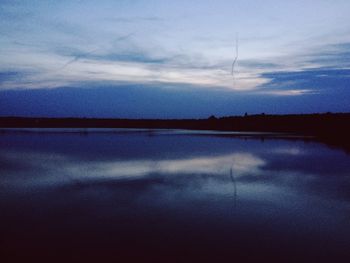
330, 128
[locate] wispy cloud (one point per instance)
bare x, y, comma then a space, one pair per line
308, 81
288, 92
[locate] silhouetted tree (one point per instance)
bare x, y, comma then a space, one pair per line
212, 118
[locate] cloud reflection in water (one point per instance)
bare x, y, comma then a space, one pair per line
56, 169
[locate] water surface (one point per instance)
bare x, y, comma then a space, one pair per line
172, 195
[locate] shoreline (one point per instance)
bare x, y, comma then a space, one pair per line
332, 129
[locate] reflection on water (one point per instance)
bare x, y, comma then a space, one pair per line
174, 195
72, 169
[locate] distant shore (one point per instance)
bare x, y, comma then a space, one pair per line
332, 128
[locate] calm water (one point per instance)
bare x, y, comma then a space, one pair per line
168, 196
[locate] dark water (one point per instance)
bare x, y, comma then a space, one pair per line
171, 196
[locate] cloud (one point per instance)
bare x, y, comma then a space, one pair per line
135, 66
321, 80
287, 92
332, 56
8, 76
324, 71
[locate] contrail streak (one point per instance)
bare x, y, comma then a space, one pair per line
124, 37
235, 59
77, 57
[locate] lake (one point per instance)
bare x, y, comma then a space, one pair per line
171, 196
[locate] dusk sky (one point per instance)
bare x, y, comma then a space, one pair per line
173, 59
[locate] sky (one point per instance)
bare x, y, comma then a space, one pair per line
173, 59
